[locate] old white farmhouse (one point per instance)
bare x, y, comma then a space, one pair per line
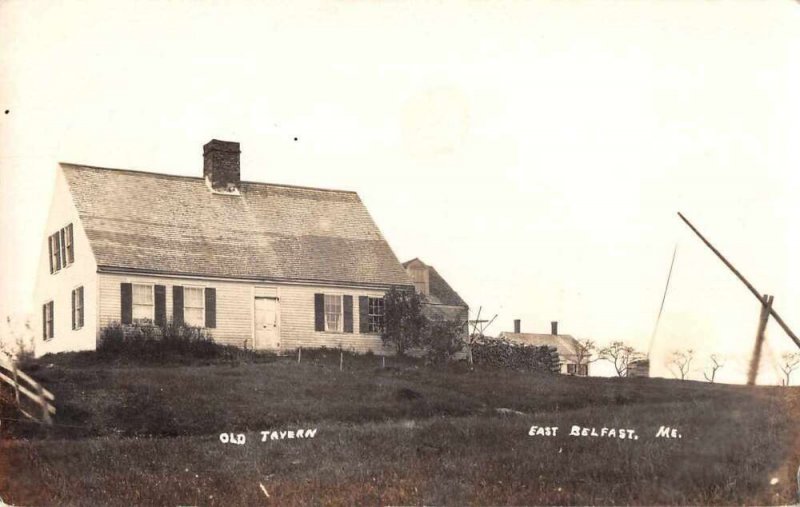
259, 265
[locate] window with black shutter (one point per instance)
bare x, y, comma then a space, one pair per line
61, 247
77, 308
47, 320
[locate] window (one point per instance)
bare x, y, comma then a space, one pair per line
375, 314
77, 308
142, 302
333, 313
47, 318
193, 306
62, 249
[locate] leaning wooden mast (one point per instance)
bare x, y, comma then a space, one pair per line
766, 307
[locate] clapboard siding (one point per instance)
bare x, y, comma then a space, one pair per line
235, 308
297, 319
234, 315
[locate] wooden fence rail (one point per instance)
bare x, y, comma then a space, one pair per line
23, 384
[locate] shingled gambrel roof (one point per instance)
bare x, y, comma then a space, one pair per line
157, 223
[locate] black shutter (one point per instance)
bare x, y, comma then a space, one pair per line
347, 304
319, 312
363, 314
74, 294
52, 306
44, 321
50, 249
160, 300
80, 299
211, 307
71, 248
63, 248
177, 305
126, 298
57, 248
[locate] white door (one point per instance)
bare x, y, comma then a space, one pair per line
267, 330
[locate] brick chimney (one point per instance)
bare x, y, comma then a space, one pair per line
517, 326
554, 327
221, 166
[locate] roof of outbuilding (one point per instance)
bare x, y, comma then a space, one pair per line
158, 223
440, 291
564, 343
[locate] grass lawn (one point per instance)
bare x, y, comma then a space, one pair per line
150, 435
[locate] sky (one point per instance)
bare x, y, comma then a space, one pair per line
536, 153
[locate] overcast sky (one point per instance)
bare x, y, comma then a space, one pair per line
535, 153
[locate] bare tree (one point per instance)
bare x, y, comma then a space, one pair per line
680, 360
620, 355
716, 364
789, 362
583, 353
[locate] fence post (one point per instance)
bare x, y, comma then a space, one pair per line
43, 403
16, 382
383, 361
299, 353
798, 484
341, 360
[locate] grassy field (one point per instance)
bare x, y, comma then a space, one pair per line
150, 435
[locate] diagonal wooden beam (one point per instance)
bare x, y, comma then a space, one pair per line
741, 277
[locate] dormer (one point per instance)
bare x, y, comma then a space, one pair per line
419, 273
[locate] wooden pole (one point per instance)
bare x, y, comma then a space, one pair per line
341, 360
762, 326
741, 277
299, 353
16, 382
43, 403
383, 361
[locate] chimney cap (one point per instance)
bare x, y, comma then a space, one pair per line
217, 145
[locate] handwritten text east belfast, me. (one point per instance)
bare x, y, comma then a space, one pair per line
575, 430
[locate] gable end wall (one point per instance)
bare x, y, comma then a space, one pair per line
58, 286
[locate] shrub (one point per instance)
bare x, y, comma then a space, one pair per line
404, 324
143, 340
443, 339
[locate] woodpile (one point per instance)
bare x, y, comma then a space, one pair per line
500, 353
